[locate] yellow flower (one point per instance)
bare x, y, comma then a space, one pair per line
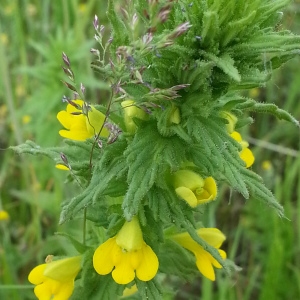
131, 112
231, 118
82, 8
26, 119
3, 215
3, 39
126, 255
55, 280
254, 93
266, 165
79, 125
246, 154
204, 260
31, 9
193, 188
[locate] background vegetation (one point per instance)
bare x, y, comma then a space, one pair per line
33, 35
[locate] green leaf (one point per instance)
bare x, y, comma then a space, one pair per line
119, 29
111, 166
81, 248
181, 263
148, 156
274, 110
226, 64
91, 285
258, 191
149, 289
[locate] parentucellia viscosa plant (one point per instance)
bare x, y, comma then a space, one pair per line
150, 158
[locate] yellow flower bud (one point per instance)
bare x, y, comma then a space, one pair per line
232, 120
193, 188
131, 112
175, 115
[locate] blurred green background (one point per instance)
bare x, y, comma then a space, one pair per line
33, 35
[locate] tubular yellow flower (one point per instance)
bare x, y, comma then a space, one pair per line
81, 126
55, 280
130, 112
3, 215
126, 255
193, 188
204, 260
246, 154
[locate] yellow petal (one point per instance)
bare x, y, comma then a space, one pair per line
222, 253
94, 123
123, 272
65, 119
36, 275
212, 236
204, 260
204, 265
65, 291
211, 187
215, 263
188, 179
71, 108
185, 240
136, 258
102, 259
247, 156
79, 124
77, 135
4, 215
62, 167
43, 291
63, 269
209, 191
130, 236
187, 195
116, 253
235, 135
149, 264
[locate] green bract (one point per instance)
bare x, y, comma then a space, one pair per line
182, 65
